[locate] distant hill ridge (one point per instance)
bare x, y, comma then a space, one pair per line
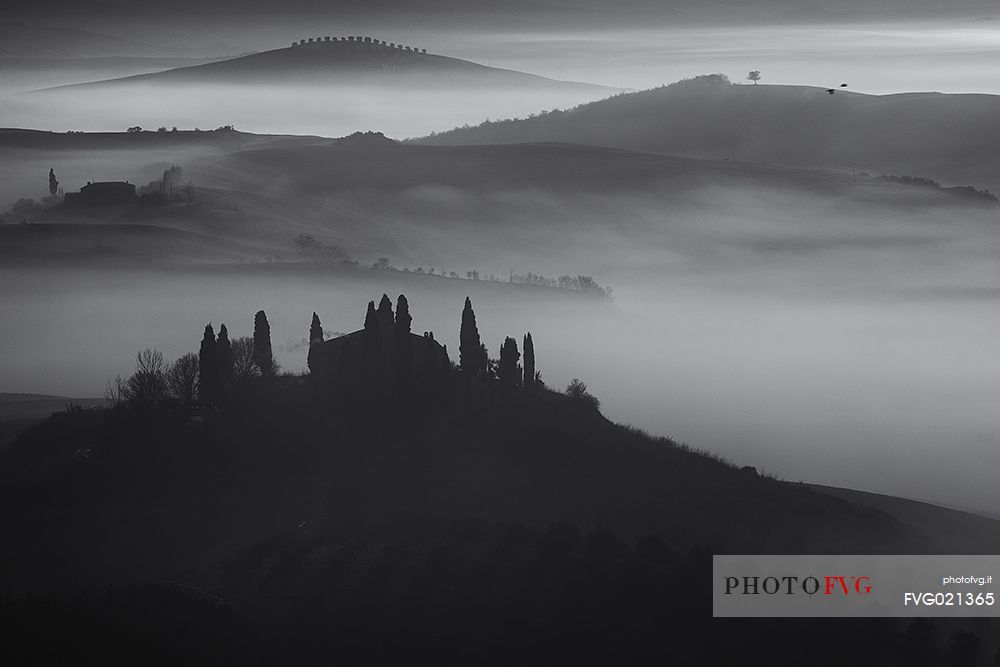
329, 59
950, 138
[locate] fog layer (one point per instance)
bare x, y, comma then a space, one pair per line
870, 57
822, 327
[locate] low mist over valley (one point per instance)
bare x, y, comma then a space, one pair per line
728, 276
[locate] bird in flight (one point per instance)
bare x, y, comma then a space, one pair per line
831, 91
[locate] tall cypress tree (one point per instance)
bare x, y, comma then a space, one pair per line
371, 320
470, 356
403, 319
315, 338
225, 356
529, 361
384, 311
508, 370
403, 342
208, 369
372, 348
262, 355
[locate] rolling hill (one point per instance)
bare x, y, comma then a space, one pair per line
337, 60
951, 138
329, 88
372, 196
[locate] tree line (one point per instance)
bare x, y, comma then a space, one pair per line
197, 378
383, 358
578, 283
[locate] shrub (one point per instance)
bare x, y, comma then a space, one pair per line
577, 391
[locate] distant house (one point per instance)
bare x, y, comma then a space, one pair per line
105, 193
426, 357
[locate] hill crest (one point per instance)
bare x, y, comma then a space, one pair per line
328, 59
946, 137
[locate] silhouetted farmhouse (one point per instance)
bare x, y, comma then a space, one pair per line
384, 351
103, 194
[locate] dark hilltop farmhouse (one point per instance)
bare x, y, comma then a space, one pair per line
102, 194
385, 342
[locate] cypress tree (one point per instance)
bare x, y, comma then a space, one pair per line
385, 311
403, 318
315, 338
483, 363
529, 361
470, 355
508, 370
208, 369
403, 342
371, 321
262, 355
372, 348
225, 356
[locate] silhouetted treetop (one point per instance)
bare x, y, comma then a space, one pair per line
508, 370
403, 318
263, 356
371, 319
182, 379
384, 311
577, 391
529, 360
209, 391
315, 337
469, 345
225, 355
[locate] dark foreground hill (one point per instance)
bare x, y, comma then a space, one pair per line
295, 525
952, 138
181, 488
19, 411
